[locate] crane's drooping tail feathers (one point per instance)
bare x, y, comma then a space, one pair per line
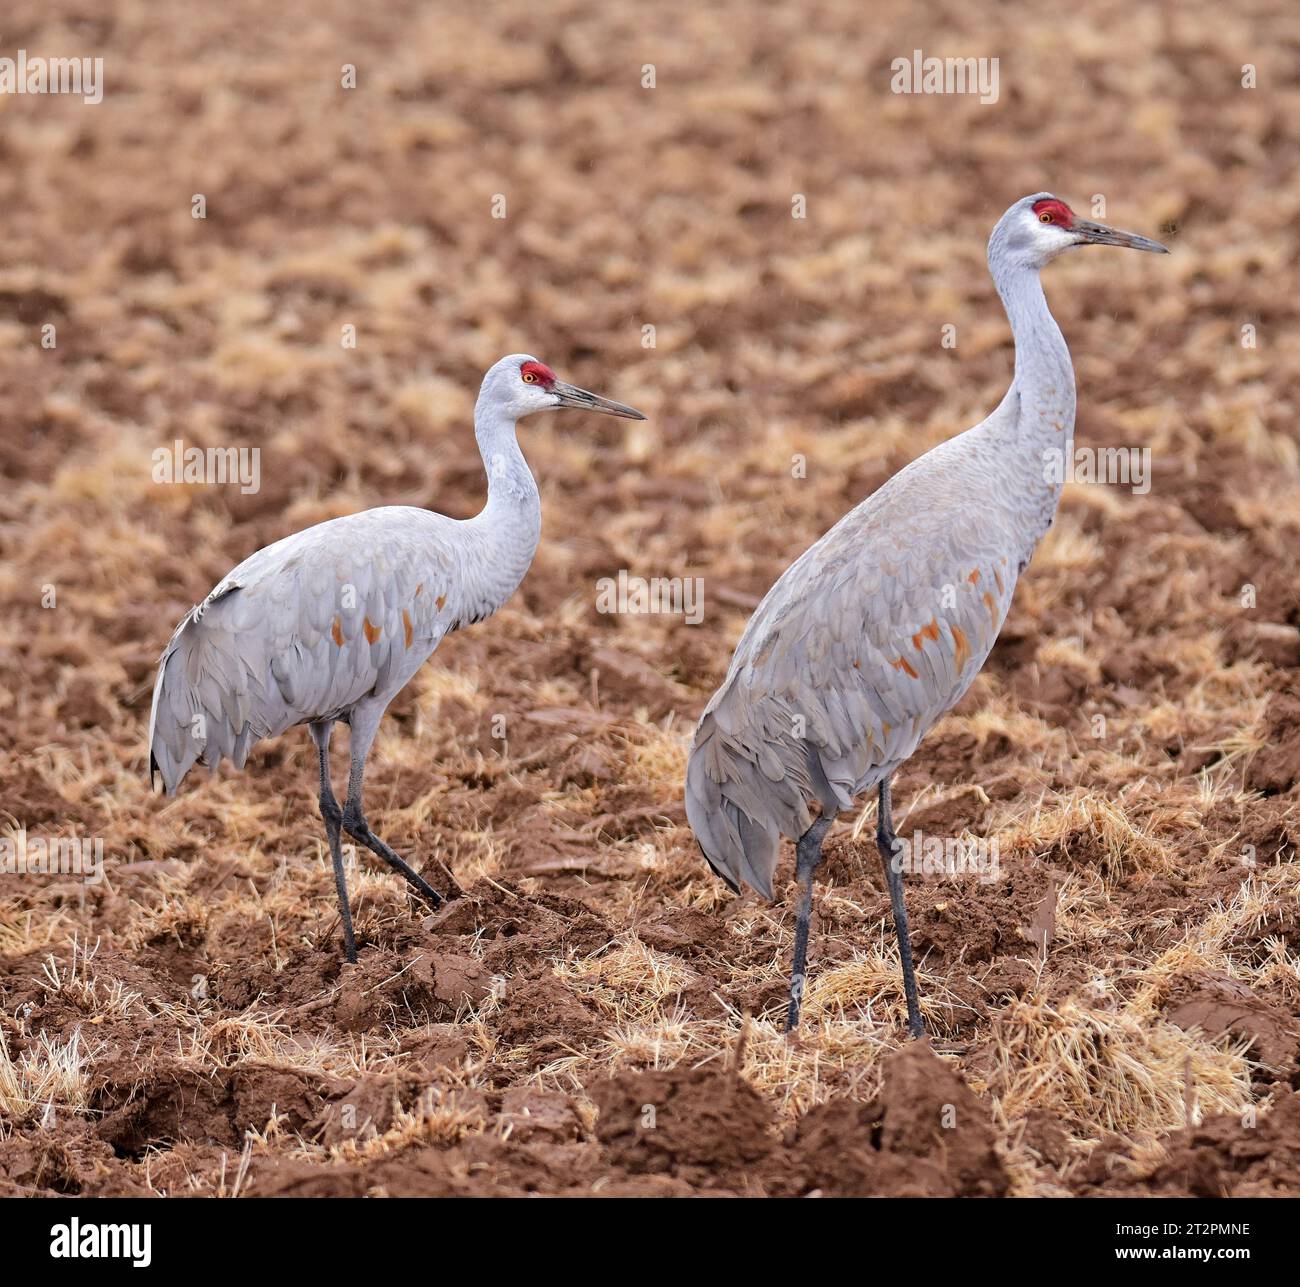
740, 803
171, 751
743, 792
200, 710
737, 847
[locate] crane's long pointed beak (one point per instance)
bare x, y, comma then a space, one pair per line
571, 396
1098, 234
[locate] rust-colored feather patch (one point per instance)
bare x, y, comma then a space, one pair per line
961, 654
372, 631
407, 627
903, 665
974, 577
336, 632
440, 602
992, 605
926, 632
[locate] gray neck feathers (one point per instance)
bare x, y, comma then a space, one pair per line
1036, 439
504, 534
1044, 375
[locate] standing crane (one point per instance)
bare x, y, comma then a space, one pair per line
879, 628
329, 624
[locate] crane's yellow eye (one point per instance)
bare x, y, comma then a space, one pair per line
1045, 217
529, 378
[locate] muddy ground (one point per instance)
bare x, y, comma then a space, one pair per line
1114, 1012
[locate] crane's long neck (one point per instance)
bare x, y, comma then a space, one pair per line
504, 534
1040, 427
1044, 377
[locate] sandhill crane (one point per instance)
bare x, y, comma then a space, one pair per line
879, 628
329, 624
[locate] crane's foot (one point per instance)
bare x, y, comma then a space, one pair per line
355, 824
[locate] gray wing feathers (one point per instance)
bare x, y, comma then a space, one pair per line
302, 630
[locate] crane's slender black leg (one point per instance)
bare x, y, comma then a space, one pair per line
354, 818
808, 857
885, 842
355, 824
332, 816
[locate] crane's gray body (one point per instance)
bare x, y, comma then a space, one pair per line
882, 625
332, 622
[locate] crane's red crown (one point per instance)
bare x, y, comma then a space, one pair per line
1050, 210
537, 373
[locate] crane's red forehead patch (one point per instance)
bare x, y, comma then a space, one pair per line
1060, 212
541, 373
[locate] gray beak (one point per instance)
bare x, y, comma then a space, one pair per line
571, 396
1098, 234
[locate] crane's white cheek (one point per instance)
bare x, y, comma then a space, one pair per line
530, 401
1050, 241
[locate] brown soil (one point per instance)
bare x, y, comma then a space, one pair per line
1113, 1012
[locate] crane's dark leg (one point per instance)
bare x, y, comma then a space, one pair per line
808, 857
885, 841
332, 816
364, 727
